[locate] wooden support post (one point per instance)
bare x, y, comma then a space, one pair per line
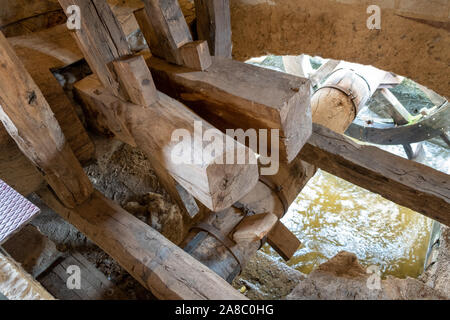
216, 185
29, 120
214, 25
235, 95
101, 40
167, 27
158, 264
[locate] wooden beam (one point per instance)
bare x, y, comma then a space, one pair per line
158, 264
404, 182
29, 120
283, 241
255, 227
168, 28
216, 185
234, 95
214, 25
137, 80
101, 40
196, 55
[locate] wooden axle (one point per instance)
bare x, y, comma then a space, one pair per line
216, 185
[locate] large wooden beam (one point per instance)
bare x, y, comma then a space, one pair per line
408, 183
158, 264
29, 120
214, 25
217, 185
234, 95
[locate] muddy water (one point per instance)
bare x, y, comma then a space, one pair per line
331, 215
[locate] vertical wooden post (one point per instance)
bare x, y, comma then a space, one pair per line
31, 123
214, 25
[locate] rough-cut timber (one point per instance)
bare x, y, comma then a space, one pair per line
216, 185
41, 52
214, 25
235, 95
137, 80
29, 120
404, 182
158, 264
169, 28
283, 241
101, 40
196, 55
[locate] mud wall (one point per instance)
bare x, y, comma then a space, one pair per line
406, 45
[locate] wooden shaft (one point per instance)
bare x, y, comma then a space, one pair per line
158, 264
235, 95
29, 120
217, 185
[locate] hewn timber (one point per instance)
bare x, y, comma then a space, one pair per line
214, 25
283, 241
168, 28
255, 227
101, 40
196, 55
158, 264
29, 120
215, 184
41, 52
235, 95
275, 193
404, 182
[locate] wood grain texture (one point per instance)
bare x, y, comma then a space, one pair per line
169, 30
216, 185
29, 120
232, 95
158, 264
137, 80
101, 40
283, 241
214, 25
404, 182
196, 55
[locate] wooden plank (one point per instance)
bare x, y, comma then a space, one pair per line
29, 120
196, 55
214, 25
16, 10
217, 185
283, 241
101, 40
149, 257
404, 182
168, 28
232, 95
255, 227
137, 80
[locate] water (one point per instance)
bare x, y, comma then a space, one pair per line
331, 215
